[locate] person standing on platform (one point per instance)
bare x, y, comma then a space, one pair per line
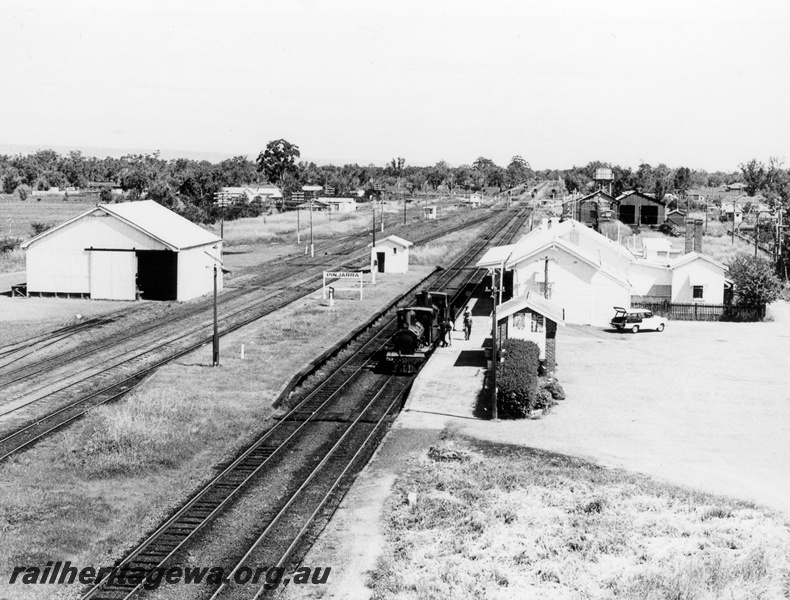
467, 325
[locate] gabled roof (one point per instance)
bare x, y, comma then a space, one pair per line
396, 240
152, 219
572, 249
591, 196
631, 194
691, 257
535, 303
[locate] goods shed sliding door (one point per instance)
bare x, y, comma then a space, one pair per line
112, 275
157, 274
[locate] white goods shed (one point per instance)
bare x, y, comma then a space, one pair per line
114, 251
391, 255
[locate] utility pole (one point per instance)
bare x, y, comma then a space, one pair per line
404, 210
546, 279
757, 229
312, 253
215, 339
494, 357
222, 199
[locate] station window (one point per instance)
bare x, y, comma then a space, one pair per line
394, 250
697, 292
519, 321
537, 323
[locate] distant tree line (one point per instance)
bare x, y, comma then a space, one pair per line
189, 186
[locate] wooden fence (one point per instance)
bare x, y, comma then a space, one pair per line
704, 312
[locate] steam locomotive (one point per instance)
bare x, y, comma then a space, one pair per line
418, 331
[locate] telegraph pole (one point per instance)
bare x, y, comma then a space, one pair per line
494, 357
222, 199
215, 339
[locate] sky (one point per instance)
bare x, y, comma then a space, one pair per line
561, 83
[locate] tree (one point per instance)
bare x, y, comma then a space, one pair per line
753, 280
663, 177
753, 176
437, 174
395, 168
682, 181
277, 159
518, 172
644, 180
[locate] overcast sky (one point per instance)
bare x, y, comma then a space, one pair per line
698, 84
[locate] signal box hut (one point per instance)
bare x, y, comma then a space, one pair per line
677, 218
391, 255
430, 211
115, 252
636, 208
535, 319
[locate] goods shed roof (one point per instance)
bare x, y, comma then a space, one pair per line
152, 219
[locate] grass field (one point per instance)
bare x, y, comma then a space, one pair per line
16, 216
90, 490
497, 521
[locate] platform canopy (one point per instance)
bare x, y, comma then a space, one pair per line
496, 256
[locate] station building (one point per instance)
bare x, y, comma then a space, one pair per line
122, 252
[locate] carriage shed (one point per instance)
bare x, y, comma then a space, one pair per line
111, 251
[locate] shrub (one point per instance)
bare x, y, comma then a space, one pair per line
554, 388
23, 192
8, 244
517, 380
544, 400
39, 227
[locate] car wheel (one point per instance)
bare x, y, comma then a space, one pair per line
635, 329
660, 327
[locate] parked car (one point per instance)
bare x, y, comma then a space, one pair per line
637, 319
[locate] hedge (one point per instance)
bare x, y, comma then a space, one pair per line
517, 378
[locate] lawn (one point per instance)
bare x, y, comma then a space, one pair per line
498, 521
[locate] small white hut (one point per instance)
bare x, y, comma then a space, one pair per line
390, 255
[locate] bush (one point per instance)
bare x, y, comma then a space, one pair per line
23, 192
517, 380
39, 227
8, 244
555, 389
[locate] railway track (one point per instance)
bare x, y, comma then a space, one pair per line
349, 386
75, 384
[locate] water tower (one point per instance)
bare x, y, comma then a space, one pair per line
603, 179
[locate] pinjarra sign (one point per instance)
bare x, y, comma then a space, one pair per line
349, 275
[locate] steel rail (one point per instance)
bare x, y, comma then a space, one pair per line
347, 379
137, 376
